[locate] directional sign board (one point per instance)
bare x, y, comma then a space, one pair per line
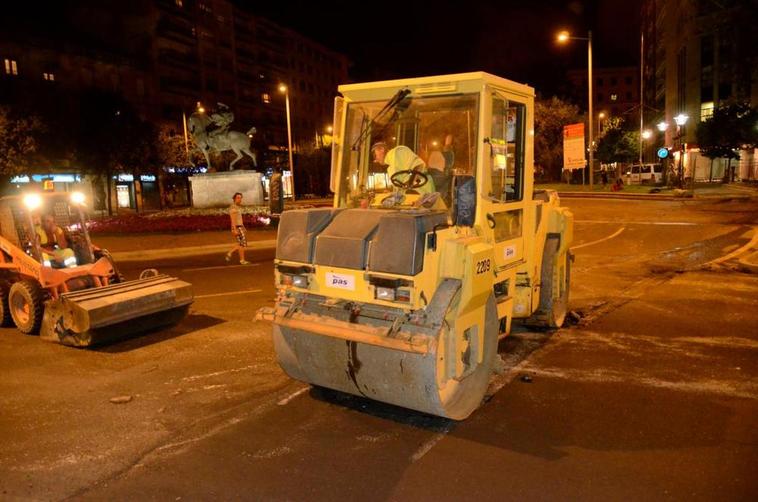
573, 147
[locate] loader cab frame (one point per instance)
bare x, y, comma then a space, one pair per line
492, 121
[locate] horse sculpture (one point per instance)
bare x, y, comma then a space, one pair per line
225, 140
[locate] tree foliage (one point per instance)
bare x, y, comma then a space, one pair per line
732, 127
20, 138
550, 115
169, 148
617, 144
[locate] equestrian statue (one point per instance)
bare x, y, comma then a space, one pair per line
211, 131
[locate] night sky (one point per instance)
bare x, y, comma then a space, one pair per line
511, 38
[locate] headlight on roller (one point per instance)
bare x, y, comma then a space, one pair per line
298, 281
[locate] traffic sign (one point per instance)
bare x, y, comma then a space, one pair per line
663, 153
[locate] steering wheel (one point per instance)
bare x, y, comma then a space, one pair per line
415, 179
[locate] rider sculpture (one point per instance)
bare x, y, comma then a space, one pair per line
213, 132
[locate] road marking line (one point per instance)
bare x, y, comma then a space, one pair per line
673, 223
574, 248
292, 396
217, 267
427, 446
244, 291
737, 251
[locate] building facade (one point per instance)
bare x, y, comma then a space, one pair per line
699, 54
166, 58
615, 93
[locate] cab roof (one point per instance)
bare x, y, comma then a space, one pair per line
439, 84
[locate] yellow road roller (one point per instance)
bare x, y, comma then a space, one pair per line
436, 242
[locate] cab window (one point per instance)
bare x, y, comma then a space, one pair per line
507, 150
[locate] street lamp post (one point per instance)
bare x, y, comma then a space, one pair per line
199, 109
680, 120
662, 126
564, 37
283, 89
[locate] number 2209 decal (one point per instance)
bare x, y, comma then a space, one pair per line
483, 266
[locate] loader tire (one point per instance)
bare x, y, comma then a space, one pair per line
27, 305
554, 297
5, 311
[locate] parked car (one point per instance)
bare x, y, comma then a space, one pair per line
644, 174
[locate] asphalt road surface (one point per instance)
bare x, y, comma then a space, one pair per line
652, 394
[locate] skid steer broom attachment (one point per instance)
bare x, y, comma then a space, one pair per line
100, 315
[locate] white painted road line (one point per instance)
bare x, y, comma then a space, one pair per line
292, 396
244, 291
617, 232
218, 267
736, 252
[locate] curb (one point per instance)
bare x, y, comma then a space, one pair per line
155, 254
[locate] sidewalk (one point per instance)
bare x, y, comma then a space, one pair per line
138, 247
642, 192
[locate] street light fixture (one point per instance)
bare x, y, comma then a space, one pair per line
647, 134
662, 126
680, 120
563, 37
284, 90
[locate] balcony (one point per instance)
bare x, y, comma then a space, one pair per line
170, 28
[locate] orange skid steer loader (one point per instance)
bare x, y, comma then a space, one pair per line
68, 290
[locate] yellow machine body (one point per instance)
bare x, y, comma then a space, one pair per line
402, 297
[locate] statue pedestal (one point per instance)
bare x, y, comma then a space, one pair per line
217, 189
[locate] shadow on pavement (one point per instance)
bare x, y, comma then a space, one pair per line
193, 322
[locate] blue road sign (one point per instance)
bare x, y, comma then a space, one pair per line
663, 153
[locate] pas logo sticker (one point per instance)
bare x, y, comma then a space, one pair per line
510, 252
340, 281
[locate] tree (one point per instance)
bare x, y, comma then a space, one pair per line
111, 138
616, 144
550, 115
731, 127
170, 149
20, 138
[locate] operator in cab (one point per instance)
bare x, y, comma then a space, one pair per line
56, 250
400, 159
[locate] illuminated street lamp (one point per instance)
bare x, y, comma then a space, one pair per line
284, 90
662, 126
562, 38
647, 134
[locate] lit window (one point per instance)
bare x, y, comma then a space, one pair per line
706, 110
614, 97
266, 98
10, 67
179, 3
49, 76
